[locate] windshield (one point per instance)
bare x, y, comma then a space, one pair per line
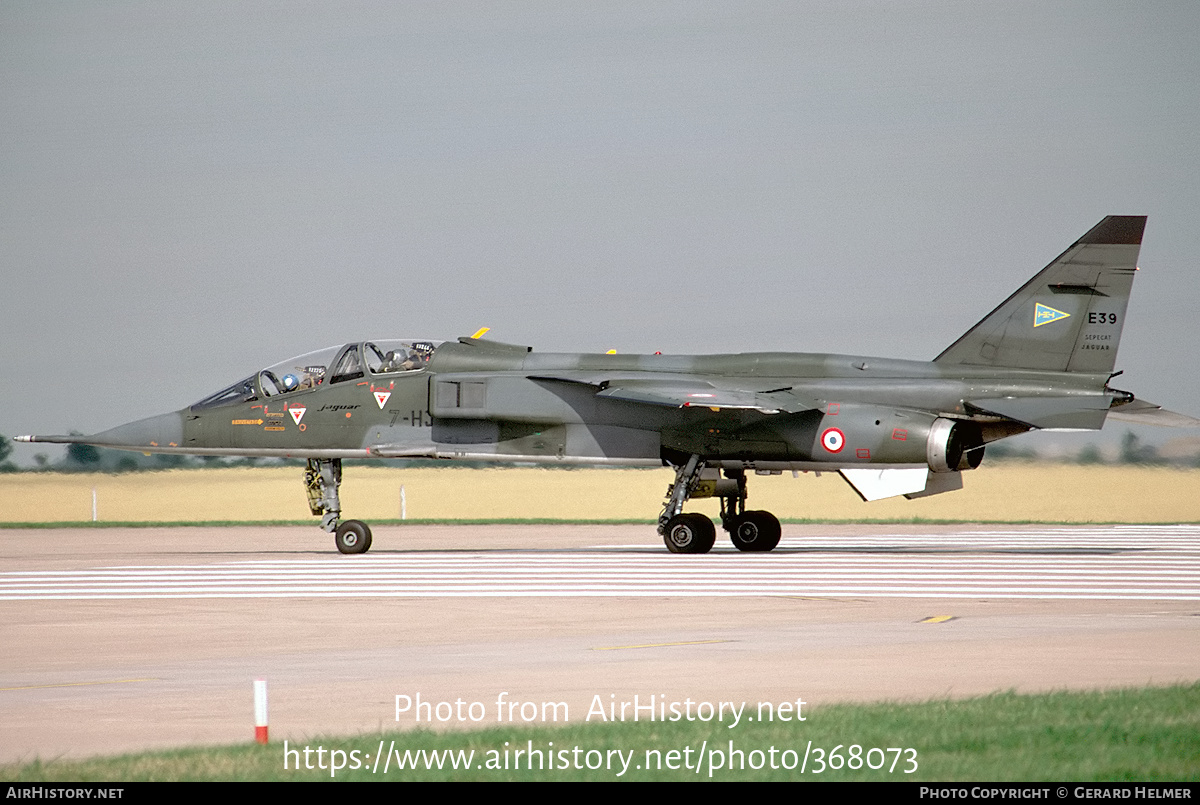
330, 365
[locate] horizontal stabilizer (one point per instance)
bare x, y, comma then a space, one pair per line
1141, 412
1072, 412
879, 484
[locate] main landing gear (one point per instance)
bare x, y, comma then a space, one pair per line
695, 533
322, 477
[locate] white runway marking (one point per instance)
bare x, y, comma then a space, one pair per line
1114, 562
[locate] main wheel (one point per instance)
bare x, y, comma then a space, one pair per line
690, 533
755, 531
353, 536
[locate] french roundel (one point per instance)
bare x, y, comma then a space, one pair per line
833, 440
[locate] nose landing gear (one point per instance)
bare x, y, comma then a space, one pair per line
322, 477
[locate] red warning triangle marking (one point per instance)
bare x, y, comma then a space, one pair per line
297, 412
381, 397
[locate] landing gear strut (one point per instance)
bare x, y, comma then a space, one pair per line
748, 530
757, 531
322, 477
685, 533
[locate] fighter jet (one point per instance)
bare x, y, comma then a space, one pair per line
1042, 359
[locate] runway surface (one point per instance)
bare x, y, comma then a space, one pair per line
121, 639
1114, 563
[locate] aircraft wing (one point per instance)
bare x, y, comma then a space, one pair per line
707, 396
672, 391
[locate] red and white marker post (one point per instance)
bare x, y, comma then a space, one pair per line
260, 711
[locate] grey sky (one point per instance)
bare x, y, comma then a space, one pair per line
189, 191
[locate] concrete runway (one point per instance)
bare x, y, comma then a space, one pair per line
124, 639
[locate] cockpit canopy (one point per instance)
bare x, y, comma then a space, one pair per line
328, 366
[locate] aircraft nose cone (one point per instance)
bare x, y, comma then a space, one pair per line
164, 430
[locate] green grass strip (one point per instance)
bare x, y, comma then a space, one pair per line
1148, 734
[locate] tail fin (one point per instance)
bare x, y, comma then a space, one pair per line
1068, 318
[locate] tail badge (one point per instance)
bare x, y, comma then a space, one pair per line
1044, 314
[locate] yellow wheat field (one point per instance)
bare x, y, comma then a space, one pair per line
1012, 492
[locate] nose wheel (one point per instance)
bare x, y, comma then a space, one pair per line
353, 536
